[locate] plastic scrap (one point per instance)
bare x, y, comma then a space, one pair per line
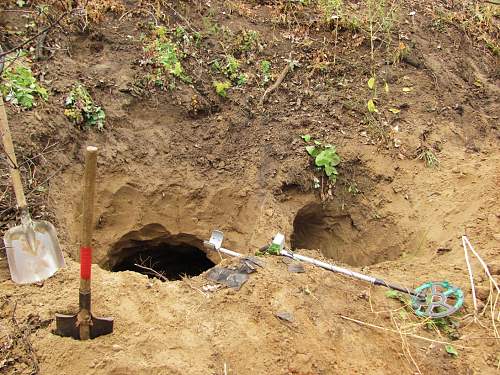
233, 277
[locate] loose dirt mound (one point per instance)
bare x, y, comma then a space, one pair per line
187, 148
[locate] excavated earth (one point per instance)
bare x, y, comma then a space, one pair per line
174, 165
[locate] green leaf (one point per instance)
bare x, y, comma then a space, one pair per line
394, 110
335, 160
329, 170
450, 349
306, 137
317, 143
392, 294
371, 83
371, 106
312, 150
324, 157
333, 178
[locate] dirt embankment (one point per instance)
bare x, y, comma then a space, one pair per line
178, 159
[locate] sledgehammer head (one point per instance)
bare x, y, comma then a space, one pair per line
82, 328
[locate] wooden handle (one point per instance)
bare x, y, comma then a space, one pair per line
11, 157
88, 208
88, 195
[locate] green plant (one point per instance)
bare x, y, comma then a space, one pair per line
352, 188
430, 159
231, 69
325, 157
447, 325
19, 87
265, 67
372, 108
331, 9
450, 349
81, 110
222, 87
165, 53
249, 40
382, 17
403, 298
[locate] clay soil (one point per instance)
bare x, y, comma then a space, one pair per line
176, 161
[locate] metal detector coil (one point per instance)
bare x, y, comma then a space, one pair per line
437, 299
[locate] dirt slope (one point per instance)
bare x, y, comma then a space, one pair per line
177, 160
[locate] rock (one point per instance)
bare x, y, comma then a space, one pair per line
482, 293
285, 315
117, 348
296, 268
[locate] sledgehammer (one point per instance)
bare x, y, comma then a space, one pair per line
84, 325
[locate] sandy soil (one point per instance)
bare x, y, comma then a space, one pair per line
175, 164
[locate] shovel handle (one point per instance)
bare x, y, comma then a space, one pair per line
87, 220
11, 157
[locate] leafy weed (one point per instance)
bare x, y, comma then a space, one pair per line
20, 88
325, 157
81, 110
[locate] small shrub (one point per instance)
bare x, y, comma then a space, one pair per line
222, 87
166, 54
430, 159
325, 157
249, 40
231, 69
81, 110
20, 88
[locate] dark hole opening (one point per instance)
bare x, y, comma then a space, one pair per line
165, 261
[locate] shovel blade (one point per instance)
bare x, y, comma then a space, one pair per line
67, 326
33, 252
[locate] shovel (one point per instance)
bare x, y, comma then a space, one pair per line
32, 248
84, 325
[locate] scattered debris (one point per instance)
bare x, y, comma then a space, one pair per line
296, 268
211, 288
233, 277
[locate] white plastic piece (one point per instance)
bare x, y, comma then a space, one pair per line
279, 240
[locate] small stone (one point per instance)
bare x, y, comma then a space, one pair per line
296, 268
117, 348
285, 315
482, 293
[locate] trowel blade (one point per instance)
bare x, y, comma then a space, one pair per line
216, 239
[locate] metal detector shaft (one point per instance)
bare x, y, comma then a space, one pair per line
222, 250
345, 271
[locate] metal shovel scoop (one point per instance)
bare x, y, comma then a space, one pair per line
84, 325
32, 248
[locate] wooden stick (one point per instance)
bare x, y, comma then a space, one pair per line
155, 273
276, 84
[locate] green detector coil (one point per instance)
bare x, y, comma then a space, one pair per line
437, 299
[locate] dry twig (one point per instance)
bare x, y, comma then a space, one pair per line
276, 84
